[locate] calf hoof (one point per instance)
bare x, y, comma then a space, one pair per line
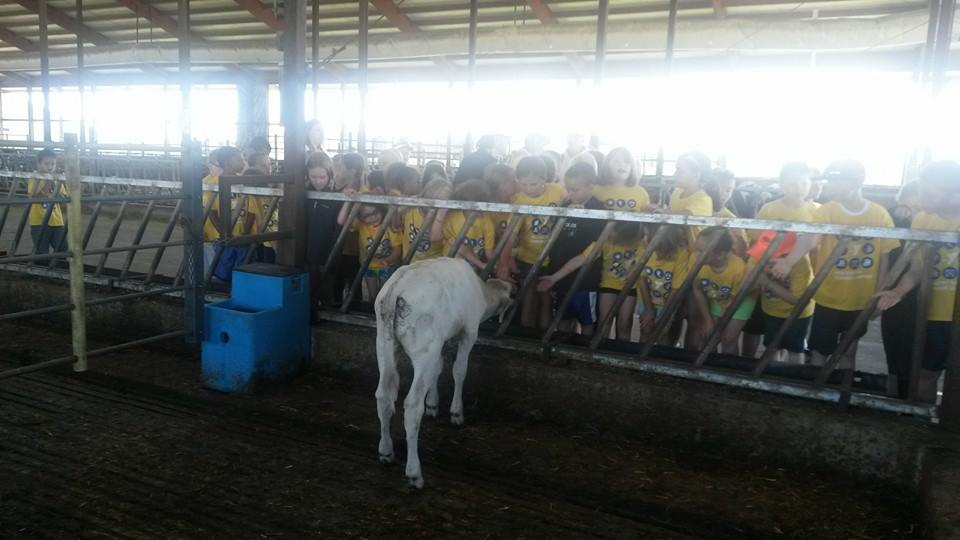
456, 419
431, 411
386, 459
415, 482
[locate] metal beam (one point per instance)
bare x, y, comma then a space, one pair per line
262, 13
292, 88
154, 15
719, 9
18, 41
603, 12
543, 11
363, 54
67, 22
393, 14
42, 13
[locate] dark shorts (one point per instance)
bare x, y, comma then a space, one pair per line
608, 290
828, 324
795, 340
756, 324
582, 307
937, 348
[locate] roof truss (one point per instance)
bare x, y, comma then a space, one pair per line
67, 22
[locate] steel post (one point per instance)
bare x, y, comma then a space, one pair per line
75, 242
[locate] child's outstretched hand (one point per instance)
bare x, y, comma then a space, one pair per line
546, 283
781, 269
888, 299
349, 191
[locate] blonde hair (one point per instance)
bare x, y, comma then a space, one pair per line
606, 173
434, 187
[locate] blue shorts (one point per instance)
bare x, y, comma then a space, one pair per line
583, 308
382, 274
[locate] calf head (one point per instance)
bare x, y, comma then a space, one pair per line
497, 294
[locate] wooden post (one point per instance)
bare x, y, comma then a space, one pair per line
75, 244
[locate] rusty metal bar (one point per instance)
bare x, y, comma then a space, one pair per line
21, 225
678, 297
111, 237
167, 233
924, 293
425, 227
341, 238
577, 280
14, 184
138, 237
849, 337
498, 250
748, 284
821, 275
368, 257
531, 275
458, 241
636, 273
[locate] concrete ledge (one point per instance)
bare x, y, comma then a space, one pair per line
940, 494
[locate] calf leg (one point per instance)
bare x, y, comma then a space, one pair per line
386, 391
432, 402
425, 364
467, 339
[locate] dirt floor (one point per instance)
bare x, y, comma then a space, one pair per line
135, 448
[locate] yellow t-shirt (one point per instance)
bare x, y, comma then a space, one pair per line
534, 230
209, 230
617, 261
946, 266
720, 288
663, 276
500, 221
628, 199
41, 189
258, 206
853, 280
390, 239
778, 210
697, 204
412, 223
797, 282
480, 237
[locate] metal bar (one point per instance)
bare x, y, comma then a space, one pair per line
96, 302
603, 12
184, 37
850, 336
944, 37
315, 52
111, 237
424, 230
137, 343
924, 293
636, 273
272, 207
472, 43
745, 289
458, 241
98, 251
227, 218
33, 312
21, 225
36, 367
109, 198
341, 238
498, 250
292, 216
248, 239
167, 233
92, 222
577, 281
138, 237
531, 276
667, 70
368, 256
74, 216
194, 217
950, 406
219, 252
44, 69
678, 297
363, 56
821, 275
81, 71
14, 183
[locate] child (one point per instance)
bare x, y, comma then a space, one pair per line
716, 285
532, 235
349, 173
321, 230
617, 186
577, 235
856, 274
401, 180
479, 241
349, 170
503, 186
257, 154
255, 218
431, 246
227, 161
665, 271
779, 296
720, 188
369, 220
433, 170
618, 255
688, 197
50, 235
940, 199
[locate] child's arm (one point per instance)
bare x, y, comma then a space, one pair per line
883, 267
436, 230
805, 242
700, 304
910, 279
648, 307
507, 265
547, 282
467, 253
344, 214
778, 290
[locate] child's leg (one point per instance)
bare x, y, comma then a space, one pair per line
545, 309
605, 301
625, 318
730, 338
529, 309
373, 287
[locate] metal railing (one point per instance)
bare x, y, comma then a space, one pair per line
62, 195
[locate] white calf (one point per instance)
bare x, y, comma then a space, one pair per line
421, 307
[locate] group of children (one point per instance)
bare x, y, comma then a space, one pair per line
612, 252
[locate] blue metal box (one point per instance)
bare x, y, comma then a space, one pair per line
262, 333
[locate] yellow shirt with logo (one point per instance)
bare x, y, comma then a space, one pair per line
853, 279
696, 204
721, 287
779, 211
534, 230
481, 236
412, 223
500, 221
946, 266
259, 207
624, 198
617, 260
41, 189
663, 276
799, 279
368, 234
210, 233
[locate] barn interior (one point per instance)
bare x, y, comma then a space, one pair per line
114, 423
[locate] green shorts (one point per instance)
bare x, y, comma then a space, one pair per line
743, 312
